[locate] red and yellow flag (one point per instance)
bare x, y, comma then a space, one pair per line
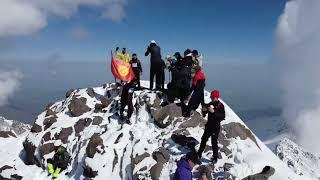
121, 70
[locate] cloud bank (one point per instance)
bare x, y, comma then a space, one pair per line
298, 62
22, 17
9, 84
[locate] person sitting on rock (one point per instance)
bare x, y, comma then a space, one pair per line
185, 166
126, 99
59, 162
216, 114
137, 68
197, 96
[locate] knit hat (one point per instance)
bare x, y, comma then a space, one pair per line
215, 93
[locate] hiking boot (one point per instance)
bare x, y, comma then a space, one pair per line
128, 121
214, 160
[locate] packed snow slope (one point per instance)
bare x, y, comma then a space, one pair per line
102, 146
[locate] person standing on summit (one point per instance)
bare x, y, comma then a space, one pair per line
156, 64
212, 129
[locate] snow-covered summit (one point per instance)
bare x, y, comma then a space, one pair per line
298, 159
11, 128
102, 146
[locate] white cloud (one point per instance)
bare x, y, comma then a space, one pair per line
17, 17
22, 17
9, 84
297, 53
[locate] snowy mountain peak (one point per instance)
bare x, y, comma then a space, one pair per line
102, 146
298, 159
11, 128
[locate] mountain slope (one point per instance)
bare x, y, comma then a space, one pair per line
103, 146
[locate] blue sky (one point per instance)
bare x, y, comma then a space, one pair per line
222, 30
235, 38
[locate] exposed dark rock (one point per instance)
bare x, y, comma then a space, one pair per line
29, 149
105, 101
88, 172
164, 116
227, 166
94, 142
49, 105
115, 160
155, 171
46, 149
48, 122
184, 140
141, 157
36, 128
5, 167
6, 134
234, 130
16, 177
207, 148
46, 136
226, 151
69, 92
97, 120
78, 106
161, 155
64, 134
50, 113
91, 92
118, 138
143, 168
81, 124
195, 120
98, 108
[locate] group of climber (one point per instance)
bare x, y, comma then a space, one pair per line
187, 84
187, 79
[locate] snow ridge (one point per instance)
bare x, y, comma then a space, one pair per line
102, 146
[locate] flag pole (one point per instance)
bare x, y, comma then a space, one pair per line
115, 80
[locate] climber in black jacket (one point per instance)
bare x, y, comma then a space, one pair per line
126, 99
156, 64
216, 114
197, 97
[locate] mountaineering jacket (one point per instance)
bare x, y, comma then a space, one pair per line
155, 57
197, 97
127, 92
216, 117
184, 171
62, 159
123, 57
181, 77
198, 82
136, 66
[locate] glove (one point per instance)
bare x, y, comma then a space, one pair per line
117, 48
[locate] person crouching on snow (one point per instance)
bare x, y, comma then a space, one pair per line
216, 114
59, 162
